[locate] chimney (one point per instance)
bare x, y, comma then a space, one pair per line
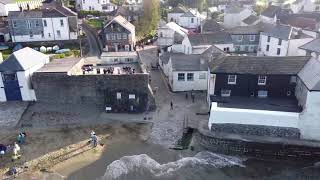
28, 7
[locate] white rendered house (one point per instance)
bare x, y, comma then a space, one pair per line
16, 73
167, 33
233, 16
12, 5
96, 5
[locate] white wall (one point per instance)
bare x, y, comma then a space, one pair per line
88, 5
174, 17
273, 46
220, 115
234, 20
188, 23
14, 6
2, 92
310, 6
167, 37
186, 45
196, 84
294, 45
63, 29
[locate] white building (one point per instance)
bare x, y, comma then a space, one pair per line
13, 5
269, 15
190, 19
96, 5
282, 40
173, 15
311, 6
312, 48
167, 33
16, 72
50, 24
233, 16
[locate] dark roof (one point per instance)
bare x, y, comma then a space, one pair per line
253, 29
210, 38
210, 25
234, 9
58, 11
268, 65
313, 46
301, 22
271, 11
177, 38
22, 60
165, 57
279, 31
124, 11
310, 75
251, 19
188, 14
178, 9
188, 62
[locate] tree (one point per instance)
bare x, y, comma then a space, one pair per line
148, 24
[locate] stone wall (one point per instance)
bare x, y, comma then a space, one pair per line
277, 148
99, 90
257, 130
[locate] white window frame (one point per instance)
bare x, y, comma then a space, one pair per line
118, 95
132, 96
184, 77
230, 79
262, 80
225, 92
252, 37
262, 94
191, 75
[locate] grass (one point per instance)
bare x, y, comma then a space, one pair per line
6, 53
95, 23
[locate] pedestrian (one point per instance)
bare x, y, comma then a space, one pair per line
16, 151
186, 95
192, 98
171, 104
94, 140
3, 150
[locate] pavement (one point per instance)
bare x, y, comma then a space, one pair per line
10, 113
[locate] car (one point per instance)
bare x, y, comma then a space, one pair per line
87, 67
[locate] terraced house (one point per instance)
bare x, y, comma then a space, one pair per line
48, 24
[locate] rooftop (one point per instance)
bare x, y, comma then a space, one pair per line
252, 29
271, 11
119, 54
313, 46
59, 65
123, 22
310, 75
251, 19
210, 38
279, 31
270, 104
57, 11
210, 25
268, 65
117, 69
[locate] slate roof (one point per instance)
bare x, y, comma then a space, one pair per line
188, 14
178, 9
251, 19
301, 22
253, 29
210, 25
59, 65
264, 65
279, 31
22, 60
313, 46
310, 75
123, 22
177, 38
210, 38
271, 11
57, 11
188, 62
234, 9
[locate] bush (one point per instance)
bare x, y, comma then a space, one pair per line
83, 14
58, 56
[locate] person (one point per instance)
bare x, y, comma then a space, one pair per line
94, 140
16, 150
3, 150
171, 104
21, 138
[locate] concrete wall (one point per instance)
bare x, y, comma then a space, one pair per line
3, 97
196, 84
301, 93
99, 90
219, 115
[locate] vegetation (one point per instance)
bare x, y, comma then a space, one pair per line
148, 23
201, 5
95, 23
6, 53
117, 2
83, 14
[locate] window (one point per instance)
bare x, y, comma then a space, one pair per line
119, 36
14, 24
190, 77
237, 48
240, 37
252, 37
29, 24
225, 92
61, 22
226, 49
118, 95
262, 93
31, 34
267, 48
113, 37
83, 1
232, 79
42, 34
58, 33
279, 42
132, 96
180, 76
107, 37
278, 51
45, 23
49, 34
192, 20
202, 76
124, 36
262, 80
269, 38
37, 23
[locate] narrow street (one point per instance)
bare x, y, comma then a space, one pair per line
93, 43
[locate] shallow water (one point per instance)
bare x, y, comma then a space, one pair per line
136, 160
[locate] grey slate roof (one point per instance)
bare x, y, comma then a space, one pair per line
188, 14
188, 62
22, 60
271, 11
279, 31
210, 25
234, 9
310, 75
251, 19
210, 38
264, 65
178, 9
253, 29
313, 46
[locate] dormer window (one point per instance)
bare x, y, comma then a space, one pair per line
232, 79
262, 80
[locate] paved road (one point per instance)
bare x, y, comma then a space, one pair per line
93, 43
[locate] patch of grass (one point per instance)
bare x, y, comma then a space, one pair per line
95, 23
6, 53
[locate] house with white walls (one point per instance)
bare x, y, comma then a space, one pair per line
261, 94
167, 33
270, 15
95, 5
16, 73
312, 48
234, 15
198, 43
134, 5
190, 19
311, 6
282, 40
174, 14
14, 5
187, 72
56, 23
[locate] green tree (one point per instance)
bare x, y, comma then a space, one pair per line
148, 23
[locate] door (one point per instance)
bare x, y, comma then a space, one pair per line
11, 87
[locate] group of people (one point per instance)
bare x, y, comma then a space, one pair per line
108, 70
128, 70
